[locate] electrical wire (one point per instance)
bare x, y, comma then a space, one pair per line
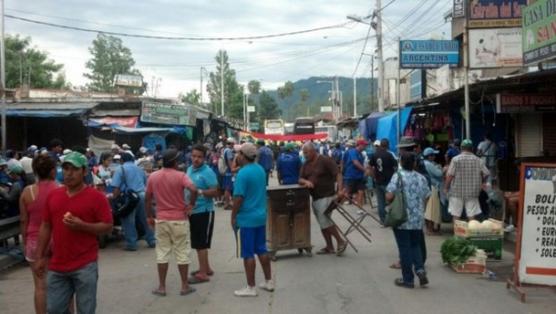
121, 34
363, 49
386, 5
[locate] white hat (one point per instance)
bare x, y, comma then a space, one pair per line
117, 156
231, 140
376, 143
143, 149
126, 147
66, 151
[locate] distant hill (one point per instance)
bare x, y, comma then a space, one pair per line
319, 96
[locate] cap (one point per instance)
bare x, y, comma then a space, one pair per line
143, 149
350, 143
170, 155
76, 159
249, 150
376, 143
126, 147
32, 148
230, 140
66, 151
289, 146
117, 156
430, 151
362, 143
406, 141
467, 143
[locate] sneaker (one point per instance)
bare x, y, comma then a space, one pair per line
267, 285
509, 228
246, 292
423, 280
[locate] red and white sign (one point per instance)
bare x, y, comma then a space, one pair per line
128, 122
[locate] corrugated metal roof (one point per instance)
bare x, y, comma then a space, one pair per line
52, 106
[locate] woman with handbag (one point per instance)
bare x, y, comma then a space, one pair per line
409, 190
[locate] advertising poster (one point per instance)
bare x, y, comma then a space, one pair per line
495, 13
173, 114
539, 31
537, 264
428, 54
495, 48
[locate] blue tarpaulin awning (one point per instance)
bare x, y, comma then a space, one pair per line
388, 127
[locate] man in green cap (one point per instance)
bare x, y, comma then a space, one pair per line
464, 181
288, 165
73, 217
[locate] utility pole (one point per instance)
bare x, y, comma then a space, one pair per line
354, 96
398, 92
379, 56
201, 86
3, 77
337, 97
222, 82
372, 82
466, 76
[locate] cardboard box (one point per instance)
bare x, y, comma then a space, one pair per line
474, 265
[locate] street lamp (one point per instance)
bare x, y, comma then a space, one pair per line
332, 83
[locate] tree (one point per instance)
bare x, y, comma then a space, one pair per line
192, 97
268, 108
109, 57
286, 90
25, 65
254, 87
233, 91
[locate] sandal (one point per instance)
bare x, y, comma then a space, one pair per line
188, 291
341, 249
324, 251
396, 265
159, 293
209, 273
196, 279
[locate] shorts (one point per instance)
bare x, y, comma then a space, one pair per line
227, 183
355, 185
253, 241
456, 204
172, 237
319, 208
31, 249
201, 226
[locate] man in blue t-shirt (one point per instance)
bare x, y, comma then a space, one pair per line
201, 221
288, 166
265, 158
227, 178
249, 216
354, 171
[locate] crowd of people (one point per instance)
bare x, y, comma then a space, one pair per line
65, 199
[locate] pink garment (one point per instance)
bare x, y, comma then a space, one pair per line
167, 186
34, 213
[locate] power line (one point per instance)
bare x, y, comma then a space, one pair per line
387, 5
363, 49
89, 30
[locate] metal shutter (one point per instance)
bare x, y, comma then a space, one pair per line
529, 135
549, 133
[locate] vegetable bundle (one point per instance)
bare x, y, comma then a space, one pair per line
456, 251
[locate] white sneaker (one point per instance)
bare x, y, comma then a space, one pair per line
267, 285
246, 292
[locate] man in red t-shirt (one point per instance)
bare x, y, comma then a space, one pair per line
73, 217
167, 186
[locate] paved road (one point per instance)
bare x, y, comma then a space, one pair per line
355, 283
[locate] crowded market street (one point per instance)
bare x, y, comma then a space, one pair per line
353, 283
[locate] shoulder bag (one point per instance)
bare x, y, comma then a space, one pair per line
396, 213
125, 203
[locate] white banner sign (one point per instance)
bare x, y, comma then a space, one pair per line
537, 264
250, 108
326, 109
495, 48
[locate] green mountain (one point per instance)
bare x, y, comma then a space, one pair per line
319, 95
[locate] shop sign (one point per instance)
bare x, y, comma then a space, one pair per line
459, 9
495, 13
126, 80
495, 48
173, 114
539, 31
428, 54
250, 108
515, 103
326, 109
536, 251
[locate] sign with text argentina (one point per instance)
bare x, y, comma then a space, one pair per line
428, 54
539, 31
164, 113
495, 13
536, 249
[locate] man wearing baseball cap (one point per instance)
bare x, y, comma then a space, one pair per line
73, 217
464, 181
249, 215
354, 171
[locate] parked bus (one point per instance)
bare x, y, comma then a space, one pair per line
330, 130
304, 125
274, 126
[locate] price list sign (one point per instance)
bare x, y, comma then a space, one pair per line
537, 247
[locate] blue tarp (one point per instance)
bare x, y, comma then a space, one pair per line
45, 113
372, 124
388, 127
363, 129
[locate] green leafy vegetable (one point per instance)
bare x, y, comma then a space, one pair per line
456, 250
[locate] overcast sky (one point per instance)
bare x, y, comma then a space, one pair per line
176, 64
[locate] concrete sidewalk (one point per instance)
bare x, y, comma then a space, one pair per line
355, 283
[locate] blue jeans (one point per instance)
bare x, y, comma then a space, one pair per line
81, 282
138, 216
380, 191
409, 246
